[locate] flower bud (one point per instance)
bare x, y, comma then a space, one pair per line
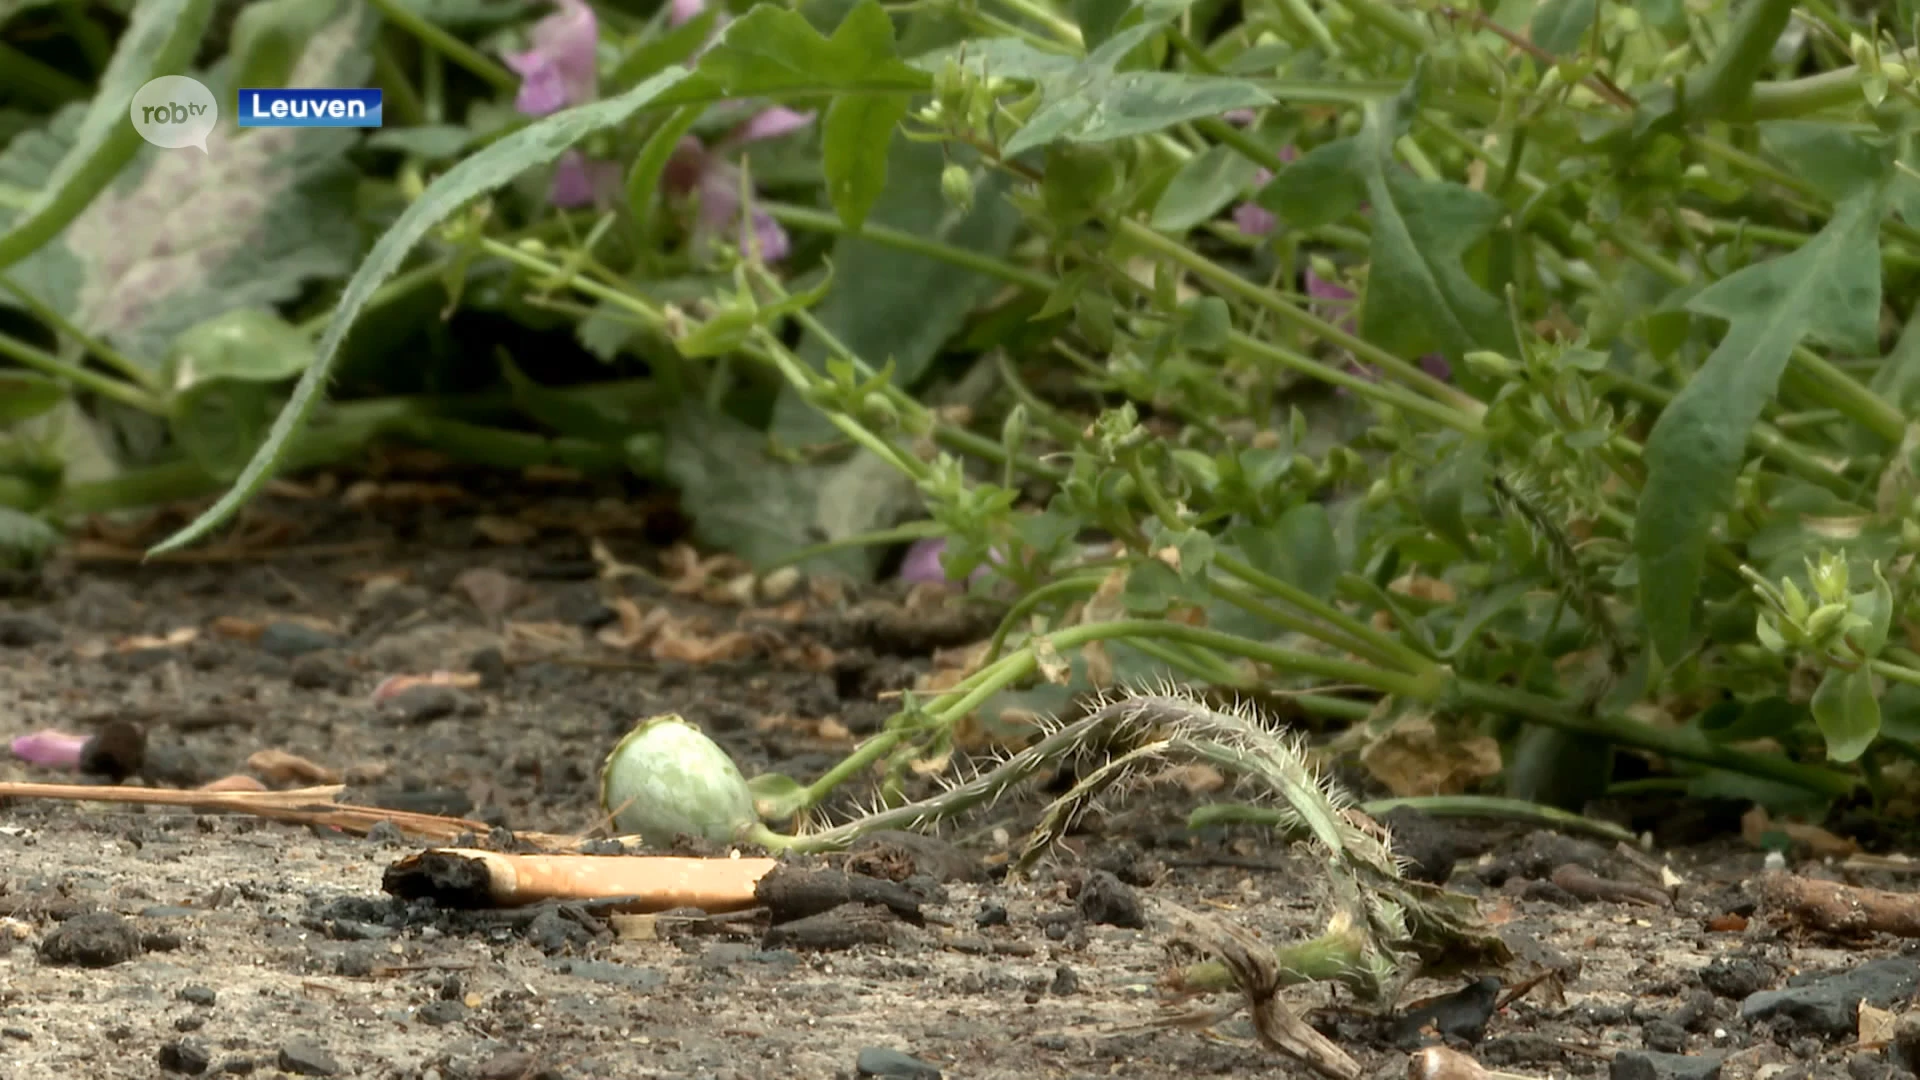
666, 779
956, 186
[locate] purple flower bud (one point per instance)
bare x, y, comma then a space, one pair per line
50, 749
923, 565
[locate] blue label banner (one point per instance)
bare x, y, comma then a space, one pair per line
309, 107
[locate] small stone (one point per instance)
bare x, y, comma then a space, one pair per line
1865, 1066
288, 640
1663, 1035
1736, 976
319, 671
1065, 982
20, 631
189, 1022
1106, 899
97, 939
420, 704
441, 1013
1649, 1065
189, 1056
303, 1058
894, 1065
991, 915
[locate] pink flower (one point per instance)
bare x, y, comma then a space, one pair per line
50, 749
562, 70
562, 67
1250, 217
705, 174
923, 565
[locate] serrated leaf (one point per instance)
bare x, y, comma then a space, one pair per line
772, 51
539, 143
24, 394
160, 38
1202, 188
1000, 58
183, 237
1558, 26
1836, 162
1419, 298
854, 141
1824, 290
1848, 713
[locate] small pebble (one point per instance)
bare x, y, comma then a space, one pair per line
303, 1058
288, 640
97, 939
199, 995
894, 1065
188, 1056
20, 631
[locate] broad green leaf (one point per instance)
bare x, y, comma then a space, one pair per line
182, 237
1559, 25
1835, 161
772, 51
1848, 713
854, 140
249, 344
160, 38
1299, 549
24, 394
535, 145
1824, 290
1202, 188
1419, 298
1319, 188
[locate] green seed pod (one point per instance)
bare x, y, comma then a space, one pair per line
667, 779
956, 186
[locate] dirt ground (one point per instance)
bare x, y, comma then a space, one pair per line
234, 946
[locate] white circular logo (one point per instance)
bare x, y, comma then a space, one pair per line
174, 111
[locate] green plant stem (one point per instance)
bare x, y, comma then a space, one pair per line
36, 83
407, 106
1887, 669
112, 357
106, 386
1397, 653
816, 221
1226, 280
1676, 743
1397, 24
1793, 98
461, 53
1727, 81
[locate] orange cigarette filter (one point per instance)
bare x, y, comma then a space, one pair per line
657, 882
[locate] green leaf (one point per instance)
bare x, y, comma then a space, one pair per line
676, 46
1202, 188
1299, 549
220, 423
249, 344
182, 237
24, 394
1205, 323
1559, 25
1835, 161
777, 796
160, 38
1103, 106
1419, 298
1319, 188
1824, 290
1848, 713
567, 414
430, 142
899, 305
772, 51
1000, 58
537, 144
643, 180
23, 537
854, 139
